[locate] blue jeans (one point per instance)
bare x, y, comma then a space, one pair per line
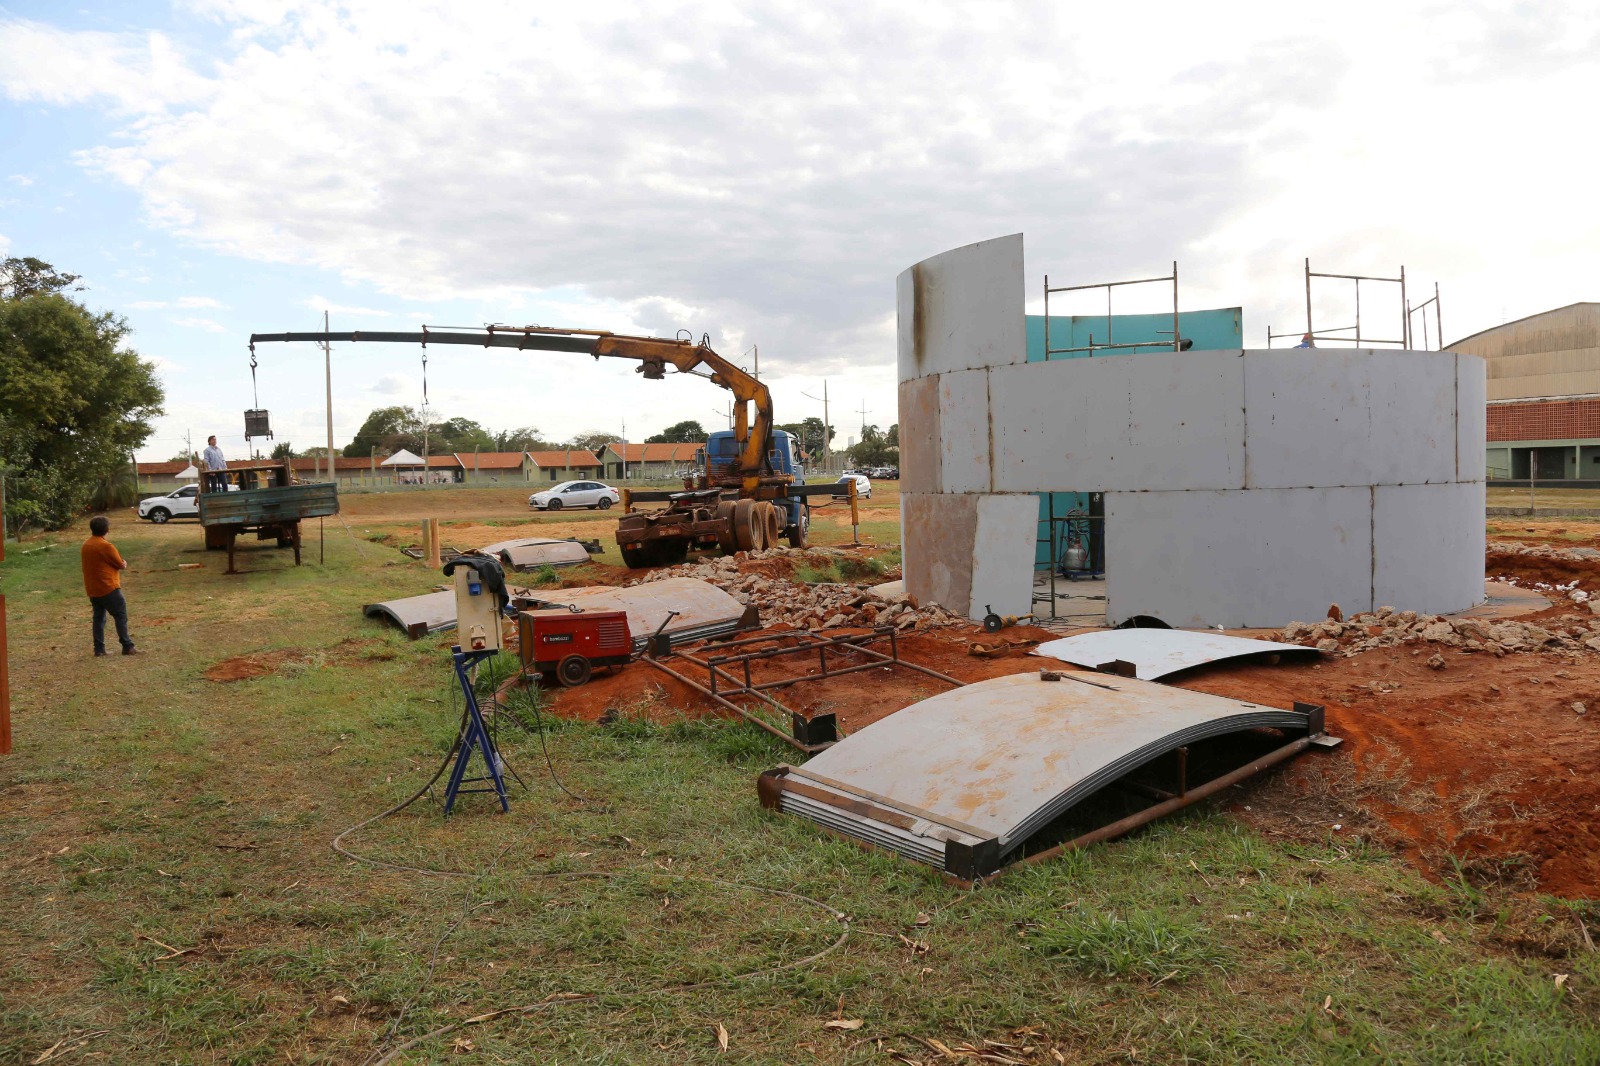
113, 604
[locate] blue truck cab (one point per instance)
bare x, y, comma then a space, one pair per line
722, 452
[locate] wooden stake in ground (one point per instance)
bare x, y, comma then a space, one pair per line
431, 542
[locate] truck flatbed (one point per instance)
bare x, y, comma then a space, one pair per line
267, 502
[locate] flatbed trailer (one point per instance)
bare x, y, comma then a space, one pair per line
708, 519
261, 498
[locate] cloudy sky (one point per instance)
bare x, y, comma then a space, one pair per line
760, 173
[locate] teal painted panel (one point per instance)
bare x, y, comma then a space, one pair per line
1064, 502
1214, 330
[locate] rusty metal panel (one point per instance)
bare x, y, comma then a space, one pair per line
990, 764
1155, 653
530, 553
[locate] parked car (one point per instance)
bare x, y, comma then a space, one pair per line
183, 503
863, 486
574, 494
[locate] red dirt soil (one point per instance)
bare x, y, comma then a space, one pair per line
1476, 761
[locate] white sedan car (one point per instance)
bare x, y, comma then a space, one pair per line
863, 486
574, 494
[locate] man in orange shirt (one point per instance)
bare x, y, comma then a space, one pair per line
102, 580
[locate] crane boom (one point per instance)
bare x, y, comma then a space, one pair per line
753, 432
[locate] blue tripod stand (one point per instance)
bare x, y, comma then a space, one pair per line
476, 736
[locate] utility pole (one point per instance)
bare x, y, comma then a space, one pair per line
827, 426
327, 372
624, 454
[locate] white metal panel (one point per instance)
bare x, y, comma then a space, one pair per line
1239, 559
1428, 547
964, 431
1131, 422
1308, 418
1155, 653
1471, 418
1412, 438
962, 310
1002, 557
1003, 757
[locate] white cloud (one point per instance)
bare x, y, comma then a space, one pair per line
392, 385
318, 303
206, 324
137, 73
20, 179
766, 184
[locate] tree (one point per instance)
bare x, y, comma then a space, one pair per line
388, 429
591, 441
811, 434
875, 449
686, 432
27, 276
459, 435
522, 439
284, 450
74, 404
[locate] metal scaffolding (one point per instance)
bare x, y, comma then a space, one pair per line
1351, 334
1092, 347
1438, 323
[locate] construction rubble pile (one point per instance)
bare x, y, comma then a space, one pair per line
1388, 628
812, 607
1544, 551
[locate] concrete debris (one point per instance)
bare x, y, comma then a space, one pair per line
811, 607
1387, 628
1544, 551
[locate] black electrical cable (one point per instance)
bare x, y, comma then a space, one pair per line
530, 1008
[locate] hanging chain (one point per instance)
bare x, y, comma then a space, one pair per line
424, 379
254, 393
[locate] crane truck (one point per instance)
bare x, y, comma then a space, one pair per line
748, 493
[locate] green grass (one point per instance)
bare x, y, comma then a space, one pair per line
1196, 941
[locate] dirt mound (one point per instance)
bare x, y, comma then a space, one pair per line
1486, 763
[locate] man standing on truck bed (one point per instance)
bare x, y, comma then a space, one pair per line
102, 580
214, 460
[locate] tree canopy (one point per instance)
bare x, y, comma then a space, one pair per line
74, 404
388, 429
593, 440
686, 432
25, 276
876, 447
811, 433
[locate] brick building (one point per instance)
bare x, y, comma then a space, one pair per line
1544, 394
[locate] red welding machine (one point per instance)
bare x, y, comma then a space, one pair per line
570, 645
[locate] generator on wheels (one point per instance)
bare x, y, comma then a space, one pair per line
567, 643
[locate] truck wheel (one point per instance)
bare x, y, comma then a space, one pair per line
553, 505
605, 503
637, 558
800, 532
726, 540
745, 529
158, 515
573, 671
671, 552
774, 526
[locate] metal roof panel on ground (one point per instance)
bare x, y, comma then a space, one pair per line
1000, 759
1155, 653
703, 610
530, 553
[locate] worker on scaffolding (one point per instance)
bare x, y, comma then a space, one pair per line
1307, 341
